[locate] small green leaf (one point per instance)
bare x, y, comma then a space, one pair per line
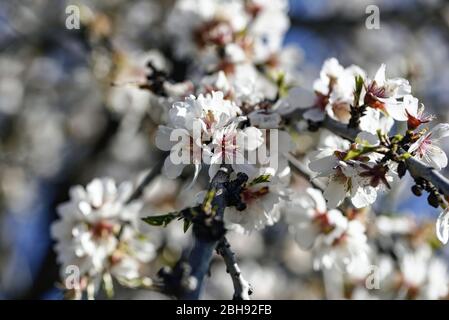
358, 89
260, 179
187, 224
161, 220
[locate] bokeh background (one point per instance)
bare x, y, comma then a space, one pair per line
61, 124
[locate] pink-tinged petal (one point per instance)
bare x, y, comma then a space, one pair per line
442, 226
415, 146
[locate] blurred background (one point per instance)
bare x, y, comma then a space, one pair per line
62, 123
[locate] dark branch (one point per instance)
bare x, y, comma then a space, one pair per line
242, 288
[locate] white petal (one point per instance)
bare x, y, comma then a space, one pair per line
442, 226
440, 131
436, 157
172, 170
162, 139
334, 193
252, 138
363, 196
317, 196
322, 164
411, 104
95, 192
395, 109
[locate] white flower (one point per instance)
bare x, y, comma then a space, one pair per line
197, 25
230, 144
424, 276
374, 120
437, 280
308, 217
415, 112
413, 266
383, 94
263, 203
268, 27
98, 232
428, 147
335, 91
192, 123
356, 179
442, 226
349, 252
335, 240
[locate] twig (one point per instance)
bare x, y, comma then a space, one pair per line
303, 171
242, 288
417, 168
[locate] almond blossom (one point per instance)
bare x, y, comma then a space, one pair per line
335, 240
359, 179
263, 201
428, 147
194, 121
335, 91
98, 233
415, 112
384, 94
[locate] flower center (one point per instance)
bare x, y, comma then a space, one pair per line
249, 196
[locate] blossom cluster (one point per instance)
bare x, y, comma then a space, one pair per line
234, 101
98, 234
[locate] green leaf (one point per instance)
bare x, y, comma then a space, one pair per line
260, 179
187, 224
358, 89
161, 220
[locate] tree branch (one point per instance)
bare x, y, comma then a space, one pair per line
416, 168
242, 288
203, 247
